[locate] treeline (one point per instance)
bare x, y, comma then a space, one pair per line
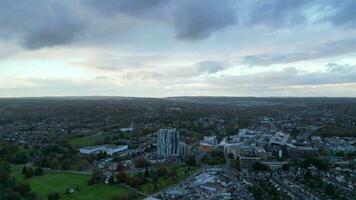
336, 130
11, 189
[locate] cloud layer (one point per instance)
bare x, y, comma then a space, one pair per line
48, 23
178, 47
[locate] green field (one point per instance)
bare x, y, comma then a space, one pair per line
91, 140
60, 181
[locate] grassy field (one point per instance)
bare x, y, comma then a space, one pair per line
59, 182
92, 139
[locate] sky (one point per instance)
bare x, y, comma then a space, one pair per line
160, 48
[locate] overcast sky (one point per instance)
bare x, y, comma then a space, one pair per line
158, 48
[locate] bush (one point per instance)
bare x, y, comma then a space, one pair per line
53, 196
92, 181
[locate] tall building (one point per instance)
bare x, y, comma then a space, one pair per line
168, 143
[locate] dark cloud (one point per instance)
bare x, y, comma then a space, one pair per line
136, 8
42, 23
192, 19
197, 19
211, 67
48, 23
289, 13
344, 13
329, 49
278, 13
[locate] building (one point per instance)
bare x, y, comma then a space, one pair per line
279, 139
247, 162
110, 150
301, 151
208, 144
92, 149
126, 130
238, 149
168, 144
273, 165
210, 140
246, 134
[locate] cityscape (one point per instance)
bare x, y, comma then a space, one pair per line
177, 99
179, 149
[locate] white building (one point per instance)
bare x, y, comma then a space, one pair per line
126, 130
110, 150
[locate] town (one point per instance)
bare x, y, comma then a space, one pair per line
180, 150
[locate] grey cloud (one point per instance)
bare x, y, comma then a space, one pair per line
210, 67
136, 8
197, 19
344, 14
278, 13
113, 62
48, 23
328, 49
42, 23
286, 77
192, 19
340, 68
289, 13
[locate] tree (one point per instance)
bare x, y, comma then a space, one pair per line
122, 177
54, 164
191, 160
133, 181
330, 189
235, 164
20, 158
24, 169
65, 164
161, 171
91, 181
155, 181
257, 191
4, 171
22, 188
307, 175
29, 172
111, 180
173, 175
38, 171
147, 173
53, 196
285, 167
120, 167
141, 162
259, 167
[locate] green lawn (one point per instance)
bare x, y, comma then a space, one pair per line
87, 140
59, 182
91, 140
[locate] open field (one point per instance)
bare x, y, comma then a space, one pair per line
59, 182
91, 140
